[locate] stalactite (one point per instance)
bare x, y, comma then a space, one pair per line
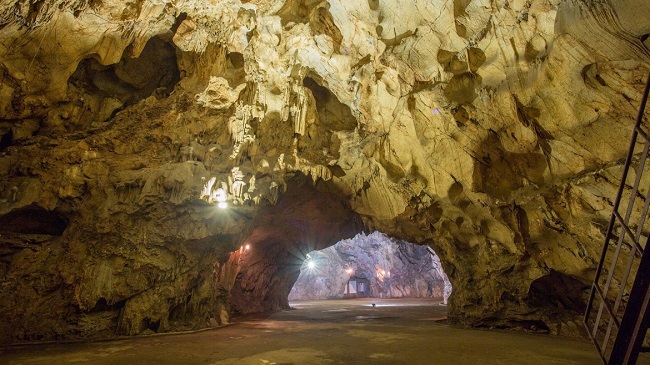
206, 193
240, 130
237, 185
298, 108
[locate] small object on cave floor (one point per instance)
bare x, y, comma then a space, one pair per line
373, 304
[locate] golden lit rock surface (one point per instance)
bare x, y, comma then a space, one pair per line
493, 131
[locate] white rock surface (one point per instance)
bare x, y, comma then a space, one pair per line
394, 270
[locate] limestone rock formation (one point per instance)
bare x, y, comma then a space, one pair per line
394, 270
492, 131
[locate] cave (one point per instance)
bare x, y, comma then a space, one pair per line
6, 140
33, 220
177, 167
371, 266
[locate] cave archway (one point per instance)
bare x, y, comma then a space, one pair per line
305, 218
373, 266
308, 218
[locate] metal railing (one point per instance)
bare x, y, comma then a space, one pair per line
616, 315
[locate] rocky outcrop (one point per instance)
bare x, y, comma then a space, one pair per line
393, 269
491, 131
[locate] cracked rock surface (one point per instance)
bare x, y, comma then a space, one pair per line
492, 131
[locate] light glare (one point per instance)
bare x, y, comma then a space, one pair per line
311, 264
222, 205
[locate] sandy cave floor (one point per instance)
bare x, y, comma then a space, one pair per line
395, 331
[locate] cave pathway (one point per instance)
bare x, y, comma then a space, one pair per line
394, 331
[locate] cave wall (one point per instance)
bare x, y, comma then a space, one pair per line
393, 269
492, 131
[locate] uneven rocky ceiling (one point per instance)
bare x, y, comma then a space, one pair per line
492, 131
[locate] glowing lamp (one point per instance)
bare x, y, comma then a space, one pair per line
348, 270
248, 247
311, 264
222, 205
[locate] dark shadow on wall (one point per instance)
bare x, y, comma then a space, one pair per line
33, 220
559, 292
104, 90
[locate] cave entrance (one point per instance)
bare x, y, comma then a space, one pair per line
371, 266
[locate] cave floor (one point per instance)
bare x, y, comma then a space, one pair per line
396, 331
